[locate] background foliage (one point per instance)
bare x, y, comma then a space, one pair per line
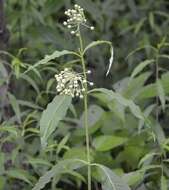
134, 150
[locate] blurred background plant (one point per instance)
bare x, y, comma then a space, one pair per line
119, 140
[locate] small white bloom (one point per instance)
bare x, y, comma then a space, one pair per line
76, 18
76, 6
71, 83
72, 32
92, 28
64, 23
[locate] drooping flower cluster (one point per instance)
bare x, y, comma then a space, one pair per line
76, 18
71, 83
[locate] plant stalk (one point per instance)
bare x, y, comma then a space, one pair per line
89, 181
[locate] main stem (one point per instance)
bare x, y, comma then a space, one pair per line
157, 78
89, 181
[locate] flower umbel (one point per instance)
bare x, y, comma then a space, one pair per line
76, 18
71, 83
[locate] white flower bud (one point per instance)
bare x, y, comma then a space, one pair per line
72, 32
76, 6
89, 72
91, 83
92, 28
64, 23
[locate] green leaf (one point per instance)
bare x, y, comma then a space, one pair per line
2, 163
57, 171
151, 20
117, 109
49, 84
164, 185
38, 161
54, 112
110, 181
147, 157
164, 56
62, 143
48, 58
107, 142
161, 93
29, 104
2, 183
139, 25
77, 153
19, 174
96, 43
31, 82
15, 106
10, 129
133, 86
141, 48
110, 95
148, 91
133, 178
94, 115
150, 167
141, 66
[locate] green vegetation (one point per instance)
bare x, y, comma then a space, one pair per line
84, 95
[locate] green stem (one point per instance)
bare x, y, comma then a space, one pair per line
157, 77
89, 181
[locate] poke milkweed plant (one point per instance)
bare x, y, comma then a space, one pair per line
72, 84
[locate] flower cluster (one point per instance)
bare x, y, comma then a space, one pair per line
76, 18
71, 83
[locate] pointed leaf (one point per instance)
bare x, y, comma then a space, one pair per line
48, 58
54, 112
59, 169
141, 66
110, 95
110, 181
107, 142
19, 174
15, 106
161, 93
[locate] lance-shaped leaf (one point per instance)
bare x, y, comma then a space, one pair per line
108, 142
48, 58
15, 106
161, 93
19, 174
54, 112
110, 181
141, 66
95, 43
110, 95
62, 167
